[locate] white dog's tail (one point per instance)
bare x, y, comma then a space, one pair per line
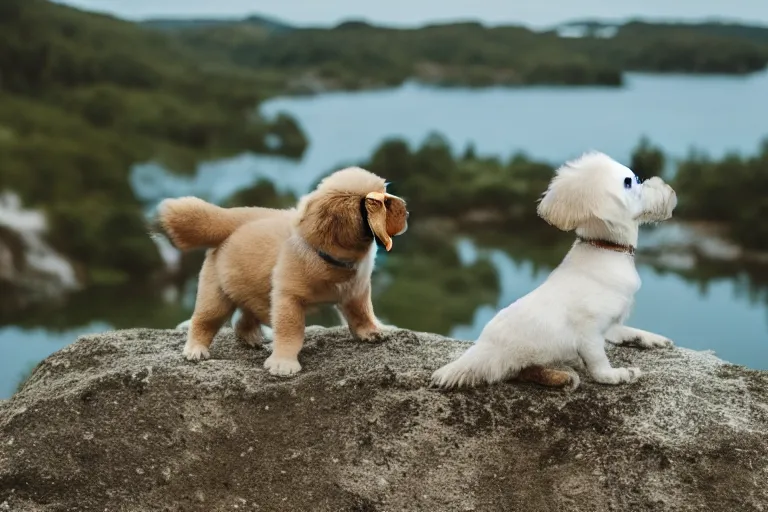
479, 364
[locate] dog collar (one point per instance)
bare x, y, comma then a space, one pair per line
367, 233
611, 246
348, 265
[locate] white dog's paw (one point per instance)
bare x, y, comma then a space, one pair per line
655, 341
282, 366
196, 352
648, 341
618, 375
184, 326
645, 340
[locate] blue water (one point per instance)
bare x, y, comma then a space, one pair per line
21, 349
715, 114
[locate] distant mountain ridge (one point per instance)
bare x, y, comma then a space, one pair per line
270, 24
731, 29
713, 26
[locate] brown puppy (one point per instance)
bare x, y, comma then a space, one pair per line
273, 264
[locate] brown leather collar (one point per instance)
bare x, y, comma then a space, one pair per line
611, 246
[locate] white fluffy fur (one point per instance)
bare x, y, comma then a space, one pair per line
587, 298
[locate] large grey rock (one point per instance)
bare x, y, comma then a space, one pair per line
121, 422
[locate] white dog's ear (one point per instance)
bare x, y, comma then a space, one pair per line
565, 204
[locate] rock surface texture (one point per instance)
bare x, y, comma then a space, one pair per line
122, 422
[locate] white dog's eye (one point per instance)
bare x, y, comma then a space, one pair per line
627, 182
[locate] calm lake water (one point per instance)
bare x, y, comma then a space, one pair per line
454, 285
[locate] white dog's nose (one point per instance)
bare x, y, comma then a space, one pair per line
673, 197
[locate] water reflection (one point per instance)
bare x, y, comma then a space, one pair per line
439, 281
22, 348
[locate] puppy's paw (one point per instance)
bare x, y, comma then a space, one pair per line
282, 366
196, 352
253, 338
371, 335
618, 375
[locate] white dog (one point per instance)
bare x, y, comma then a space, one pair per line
586, 299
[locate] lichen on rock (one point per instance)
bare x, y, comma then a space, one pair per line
122, 422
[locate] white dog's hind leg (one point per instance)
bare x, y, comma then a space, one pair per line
475, 366
593, 354
623, 335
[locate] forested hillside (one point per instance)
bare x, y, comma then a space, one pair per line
85, 96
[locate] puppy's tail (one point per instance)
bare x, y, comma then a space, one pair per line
190, 222
477, 365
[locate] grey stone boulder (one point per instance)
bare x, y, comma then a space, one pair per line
121, 422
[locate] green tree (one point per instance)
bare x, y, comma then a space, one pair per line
647, 160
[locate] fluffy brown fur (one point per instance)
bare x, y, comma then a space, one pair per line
548, 377
268, 262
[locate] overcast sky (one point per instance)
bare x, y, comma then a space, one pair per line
414, 12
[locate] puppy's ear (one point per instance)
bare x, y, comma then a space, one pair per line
565, 204
377, 217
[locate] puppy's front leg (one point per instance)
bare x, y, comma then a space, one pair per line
593, 353
288, 319
358, 311
623, 335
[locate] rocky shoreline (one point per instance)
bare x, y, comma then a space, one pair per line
30, 270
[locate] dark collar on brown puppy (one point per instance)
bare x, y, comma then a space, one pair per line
611, 246
348, 265
367, 235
